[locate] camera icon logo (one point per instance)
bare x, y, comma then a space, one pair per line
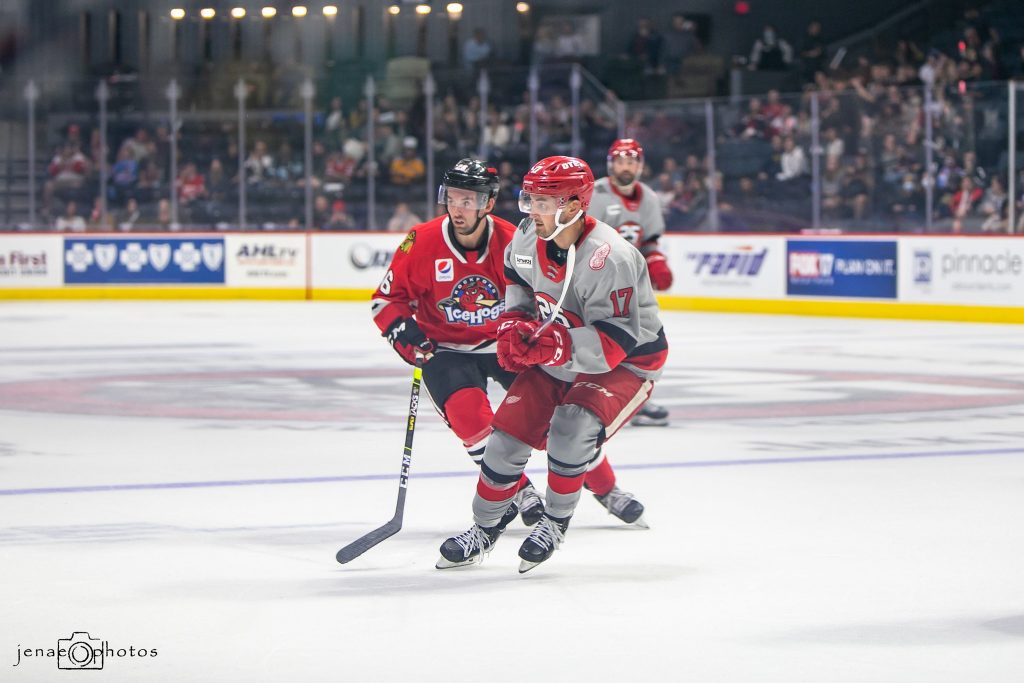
80, 651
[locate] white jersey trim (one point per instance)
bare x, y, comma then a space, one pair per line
456, 252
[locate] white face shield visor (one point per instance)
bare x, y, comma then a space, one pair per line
460, 199
546, 205
542, 204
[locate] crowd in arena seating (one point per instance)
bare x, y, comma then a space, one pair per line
871, 164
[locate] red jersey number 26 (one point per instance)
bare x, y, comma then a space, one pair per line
620, 301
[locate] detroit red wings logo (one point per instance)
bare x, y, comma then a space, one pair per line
600, 256
474, 301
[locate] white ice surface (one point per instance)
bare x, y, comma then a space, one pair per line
836, 500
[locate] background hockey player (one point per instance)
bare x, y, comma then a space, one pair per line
583, 374
630, 206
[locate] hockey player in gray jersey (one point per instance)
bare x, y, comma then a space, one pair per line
581, 327
627, 204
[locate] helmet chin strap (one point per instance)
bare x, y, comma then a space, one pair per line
560, 226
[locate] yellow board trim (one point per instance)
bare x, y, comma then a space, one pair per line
809, 307
847, 309
132, 292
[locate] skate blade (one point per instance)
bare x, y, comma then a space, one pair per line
640, 522
446, 564
526, 565
644, 421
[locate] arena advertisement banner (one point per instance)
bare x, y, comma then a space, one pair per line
255, 260
143, 260
353, 260
981, 271
31, 261
727, 267
841, 268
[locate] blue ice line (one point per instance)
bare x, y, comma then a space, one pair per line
100, 488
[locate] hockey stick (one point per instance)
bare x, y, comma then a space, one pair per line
570, 262
364, 543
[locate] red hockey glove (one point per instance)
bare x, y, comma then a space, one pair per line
657, 266
509, 336
409, 341
552, 346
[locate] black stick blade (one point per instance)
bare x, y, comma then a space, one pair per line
364, 543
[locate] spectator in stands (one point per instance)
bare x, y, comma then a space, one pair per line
680, 42
68, 169
645, 46
340, 219
993, 206
909, 200
833, 145
163, 215
129, 216
70, 221
408, 168
476, 51
217, 183
964, 203
191, 185
288, 168
545, 45
387, 145
858, 185
794, 161
832, 181
335, 125
770, 52
497, 134
140, 147
123, 176
569, 43
812, 51
259, 164
403, 220
99, 220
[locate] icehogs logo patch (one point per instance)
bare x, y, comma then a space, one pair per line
474, 301
600, 256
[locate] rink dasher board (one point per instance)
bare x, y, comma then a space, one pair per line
956, 277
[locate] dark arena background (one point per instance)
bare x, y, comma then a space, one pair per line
197, 411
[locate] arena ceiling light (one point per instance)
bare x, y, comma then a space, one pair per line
394, 10
269, 12
207, 13
423, 9
330, 10
299, 11
177, 14
238, 12
522, 7
454, 9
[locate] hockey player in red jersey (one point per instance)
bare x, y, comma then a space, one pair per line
439, 303
581, 327
630, 206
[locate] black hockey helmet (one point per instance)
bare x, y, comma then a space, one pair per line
470, 174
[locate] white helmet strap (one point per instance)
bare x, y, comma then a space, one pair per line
560, 226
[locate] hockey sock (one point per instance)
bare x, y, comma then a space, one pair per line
469, 413
600, 478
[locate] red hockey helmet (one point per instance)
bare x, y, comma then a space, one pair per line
626, 147
561, 177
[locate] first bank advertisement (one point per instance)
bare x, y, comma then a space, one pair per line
841, 268
140, 261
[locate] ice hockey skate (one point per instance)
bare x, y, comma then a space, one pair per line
542, 542
531, 507
623, 505
472, 545
651, 415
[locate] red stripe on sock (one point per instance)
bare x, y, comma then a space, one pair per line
601, 479
560, 484
492, 494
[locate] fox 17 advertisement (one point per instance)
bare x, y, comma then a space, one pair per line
841, 268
